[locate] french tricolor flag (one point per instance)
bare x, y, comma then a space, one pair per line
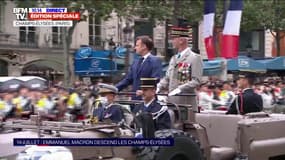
230, 40
209, 18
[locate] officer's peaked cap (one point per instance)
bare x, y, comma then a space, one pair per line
107, 88
247, 74
148, 82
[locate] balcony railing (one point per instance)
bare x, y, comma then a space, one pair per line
10, 40
57, 46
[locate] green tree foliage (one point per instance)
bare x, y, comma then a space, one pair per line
191, 10
100, 8
265, 14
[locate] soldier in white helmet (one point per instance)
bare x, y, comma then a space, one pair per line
108, 108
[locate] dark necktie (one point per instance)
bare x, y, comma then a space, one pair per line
178, 55
140, 63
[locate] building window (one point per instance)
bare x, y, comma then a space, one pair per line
28, 36
2, 10
3, 68
95, 38
56, 36
252, 43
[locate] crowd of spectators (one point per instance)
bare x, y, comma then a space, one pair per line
218, 95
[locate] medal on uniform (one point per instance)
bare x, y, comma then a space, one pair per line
184, 72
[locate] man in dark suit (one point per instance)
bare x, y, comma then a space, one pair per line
107, 108
160, 114
147, 66
247, 101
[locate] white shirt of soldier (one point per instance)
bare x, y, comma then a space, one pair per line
149, 103
183, 52
108, 106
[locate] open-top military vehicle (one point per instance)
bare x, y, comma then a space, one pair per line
206, 135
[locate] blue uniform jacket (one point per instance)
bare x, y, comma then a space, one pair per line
151, 68
114, 112
162, 122
252, 102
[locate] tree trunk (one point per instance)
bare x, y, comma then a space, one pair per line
225, 9
66, 66
175, 12
195, 37
277, 39
216, 42
67, 40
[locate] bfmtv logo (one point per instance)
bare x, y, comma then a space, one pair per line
21, 13
243, 63
84, 52
95, 63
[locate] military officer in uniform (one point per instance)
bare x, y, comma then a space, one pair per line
160, 114
108, 109
247, 101
184, 72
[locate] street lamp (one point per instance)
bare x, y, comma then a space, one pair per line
112, 47
127, 31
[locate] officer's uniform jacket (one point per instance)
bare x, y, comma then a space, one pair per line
246, 102
192, 64
112, 112
162, 122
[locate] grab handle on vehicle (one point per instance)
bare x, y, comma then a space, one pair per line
257, 115
158, 94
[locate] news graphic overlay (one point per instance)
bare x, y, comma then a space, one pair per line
94, 141
44, 17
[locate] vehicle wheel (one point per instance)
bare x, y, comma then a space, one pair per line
186, 147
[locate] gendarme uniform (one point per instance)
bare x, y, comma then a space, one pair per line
108, 110
184, 72
247, 101
160, 114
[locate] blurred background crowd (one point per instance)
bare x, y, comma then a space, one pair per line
76, 103
220, 94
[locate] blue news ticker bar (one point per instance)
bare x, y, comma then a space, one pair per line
93, 141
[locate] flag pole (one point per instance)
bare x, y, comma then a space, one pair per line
225, 8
